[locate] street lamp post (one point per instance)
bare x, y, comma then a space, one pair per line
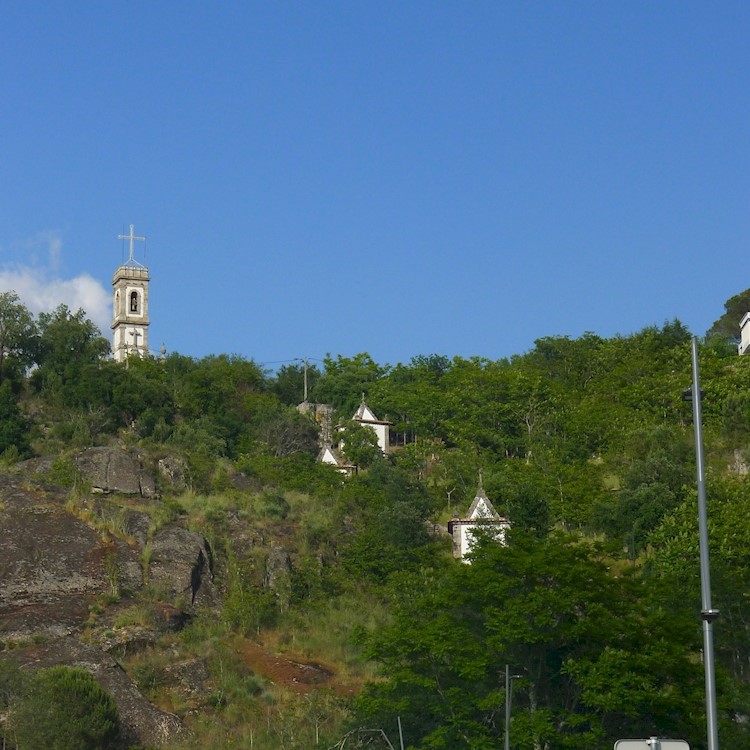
708, 613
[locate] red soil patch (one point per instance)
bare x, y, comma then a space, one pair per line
298, 675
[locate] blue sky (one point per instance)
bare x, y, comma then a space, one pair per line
400, 178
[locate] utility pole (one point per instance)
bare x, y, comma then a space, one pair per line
508, 693
508, 684
304, 371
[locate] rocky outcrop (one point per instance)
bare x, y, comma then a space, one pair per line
57, 559
181, 564
52, 564
115, 470
278, 568
60, 558
142, 723
174, 471
190, 679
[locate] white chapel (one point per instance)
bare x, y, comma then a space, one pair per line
381, 427
744, 344
481, 519
130, 319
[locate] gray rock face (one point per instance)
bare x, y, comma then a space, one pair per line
115, 470
174, 470
142, 723
191, 678
278, 567
57, 559
181, 562
51, 566
138, 525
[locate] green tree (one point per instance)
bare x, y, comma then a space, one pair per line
728, 325
659, 466
141, 395
289, 383
14, 428
360, 444
387, 510
527, 499
228, 394
64, 708
674, 556
67, 339
413, 396
248, 604
69, 354
600, 657
17, 333
478, 395
218, 384
289, 432
11, 690
345, 379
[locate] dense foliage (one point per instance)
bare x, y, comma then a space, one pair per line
59, 708
597, 656
586, 444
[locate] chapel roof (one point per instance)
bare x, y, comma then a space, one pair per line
482, 507
365, 414
328, 451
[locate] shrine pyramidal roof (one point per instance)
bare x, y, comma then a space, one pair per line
482, 507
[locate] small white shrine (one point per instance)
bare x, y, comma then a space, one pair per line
744, 334
481, 519
329, 455
330, 451
130, 319
381, 427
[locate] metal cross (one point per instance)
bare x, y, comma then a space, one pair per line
130, 237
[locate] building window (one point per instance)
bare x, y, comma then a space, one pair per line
134, 302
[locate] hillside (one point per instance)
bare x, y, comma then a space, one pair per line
167, 528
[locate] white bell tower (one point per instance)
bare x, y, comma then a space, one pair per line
130, 319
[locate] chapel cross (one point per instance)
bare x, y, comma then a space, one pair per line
130, 237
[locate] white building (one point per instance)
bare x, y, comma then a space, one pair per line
329, 455
481, 519
364, 416
130, 319
744, 334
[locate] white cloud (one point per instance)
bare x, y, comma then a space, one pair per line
41, 289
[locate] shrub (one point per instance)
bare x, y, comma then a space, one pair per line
273, 504
64, 708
